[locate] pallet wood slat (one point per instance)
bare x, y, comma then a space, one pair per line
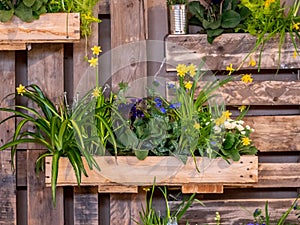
50, 27
227, 49
8, 211
86, 206
114, 188
166, 171
235, 211
202, 188
284, 131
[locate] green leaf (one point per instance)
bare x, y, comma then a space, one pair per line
196, 9
6, 15
24, 12
211, 25
29, 3
230, 19
141, 154
54, 174
229, 142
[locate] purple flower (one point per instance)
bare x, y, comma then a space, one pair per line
158, 102
170, 86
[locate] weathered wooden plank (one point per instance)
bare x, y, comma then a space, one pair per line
275, 133
234, 211
202, 188
46, 69
277, 175
50, 27
166, 171
128, 44
12, 46
104, 7
261, 93
39, 197
124, 209
21, 168
227, 49
114, 188
86, 206
8, 213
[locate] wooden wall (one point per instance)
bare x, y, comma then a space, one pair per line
59, 67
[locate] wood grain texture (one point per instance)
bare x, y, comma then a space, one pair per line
128, 55
86, 206
50, 27
276, 175
261, 93
39, 197
227, 49
114, 188
234, 211
275, 133
104, 7
202, 188
8, 213
124, 209
12, 46
166, 171
46, 69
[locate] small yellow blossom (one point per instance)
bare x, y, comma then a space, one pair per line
181, 70
230, 69
296, 26
268, 3
247, 78
93, 62
220, 120
226, 114
192, 69
295, 54
21, 89
146, 189
197, 126
96, 92
188, 85
252, 62
96, 50
242, 108
246, 141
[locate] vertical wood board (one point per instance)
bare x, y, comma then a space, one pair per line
8, 211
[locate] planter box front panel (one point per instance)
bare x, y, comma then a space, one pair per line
228, 49
50, 27
166, 171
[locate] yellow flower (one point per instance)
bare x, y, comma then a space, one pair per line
96, 50
188, 85
242, 108
252, 62
96, 92
226, 114
93, 62
268, 3
181, 70
192, 69
21, 89
247, 78
230, 69
246, 141
197, 126
295, 54
146, 189
220, 120
296, 26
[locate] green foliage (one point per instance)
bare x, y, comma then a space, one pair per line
218, 18
150, 215
269, 19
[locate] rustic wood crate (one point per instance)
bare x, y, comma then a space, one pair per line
228, 49
49, 28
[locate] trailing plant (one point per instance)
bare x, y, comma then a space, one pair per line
175, 2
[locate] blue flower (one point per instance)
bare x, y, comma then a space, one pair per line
158, 102
163, 110
175, 105
171, 86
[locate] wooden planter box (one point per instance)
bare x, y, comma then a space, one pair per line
131, 172
49, 28
228, 49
